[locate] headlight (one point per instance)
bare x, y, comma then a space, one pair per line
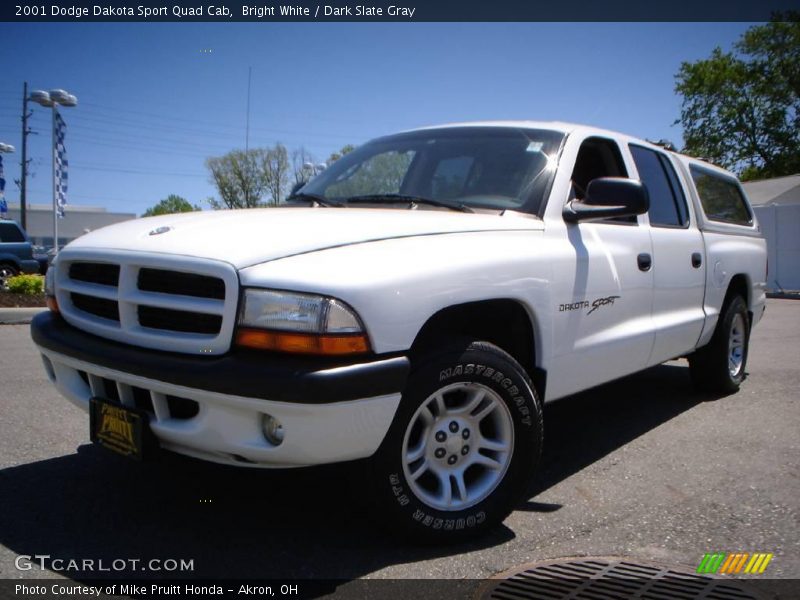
302, 323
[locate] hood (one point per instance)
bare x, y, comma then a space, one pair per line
252, 236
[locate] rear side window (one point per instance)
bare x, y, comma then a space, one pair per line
10, 233
721, 197
667, 202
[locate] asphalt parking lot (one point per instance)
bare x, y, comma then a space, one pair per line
642, 467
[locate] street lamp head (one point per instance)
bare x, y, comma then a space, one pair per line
63, 98
58, 95
6, 147
41, 97
54, 97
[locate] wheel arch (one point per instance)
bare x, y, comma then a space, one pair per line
504, 322
11, 260
739, 285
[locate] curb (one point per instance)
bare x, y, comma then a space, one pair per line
19, 316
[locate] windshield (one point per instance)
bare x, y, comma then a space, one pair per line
477, 167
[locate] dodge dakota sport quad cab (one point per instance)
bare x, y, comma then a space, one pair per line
414, 304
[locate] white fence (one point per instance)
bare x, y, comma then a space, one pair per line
781, 226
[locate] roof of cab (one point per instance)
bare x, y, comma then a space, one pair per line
560, 126
569, 128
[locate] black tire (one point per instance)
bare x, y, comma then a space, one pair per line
714, 368
6, 271
459, 373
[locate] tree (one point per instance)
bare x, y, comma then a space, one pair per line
239, 178
301, 158
337, 155
275, 171
741, 109
170, 205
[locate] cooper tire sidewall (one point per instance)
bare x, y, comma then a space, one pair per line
479, 364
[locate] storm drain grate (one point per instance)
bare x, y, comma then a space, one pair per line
610, 579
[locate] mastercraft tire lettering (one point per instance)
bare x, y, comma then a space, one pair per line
463, 445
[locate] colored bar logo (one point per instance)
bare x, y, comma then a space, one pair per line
735, 563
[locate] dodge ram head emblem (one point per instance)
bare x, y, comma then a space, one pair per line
160, 230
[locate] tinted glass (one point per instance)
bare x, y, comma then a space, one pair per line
382, 173
677, 190
9, 232
663, 208
721, 197
481, 167
450, 177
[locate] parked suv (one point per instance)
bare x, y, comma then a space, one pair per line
414, 305
16, 252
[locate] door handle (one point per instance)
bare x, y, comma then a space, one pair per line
697, 260
645, 261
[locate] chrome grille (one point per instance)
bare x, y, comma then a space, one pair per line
177, 304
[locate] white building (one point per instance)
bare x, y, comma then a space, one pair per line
777, 205
77, 219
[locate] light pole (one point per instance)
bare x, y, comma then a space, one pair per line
23, 176
4, 148
52, 99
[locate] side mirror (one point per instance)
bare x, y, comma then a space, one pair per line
296, 188
609, 197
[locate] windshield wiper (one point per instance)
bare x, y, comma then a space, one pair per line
412, 200
315, 199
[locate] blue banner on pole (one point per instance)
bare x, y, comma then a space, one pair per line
61, 164
3, 205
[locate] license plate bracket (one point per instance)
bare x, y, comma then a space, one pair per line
122, 429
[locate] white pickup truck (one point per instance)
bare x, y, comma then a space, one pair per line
414, 304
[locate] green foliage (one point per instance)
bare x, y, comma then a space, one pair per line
337, 155
275, 171
170, 205
243, 179
29, 285
238, 178
741, 109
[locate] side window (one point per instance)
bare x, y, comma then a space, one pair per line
721, 197
667, 202
597, 157
450, 176
677, 190
9, 233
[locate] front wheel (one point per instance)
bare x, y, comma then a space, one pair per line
462, 447
719, 367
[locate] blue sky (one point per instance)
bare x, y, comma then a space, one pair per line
156, 99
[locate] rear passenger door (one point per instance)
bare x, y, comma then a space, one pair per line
678, 257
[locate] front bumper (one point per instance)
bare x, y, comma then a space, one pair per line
330, 411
